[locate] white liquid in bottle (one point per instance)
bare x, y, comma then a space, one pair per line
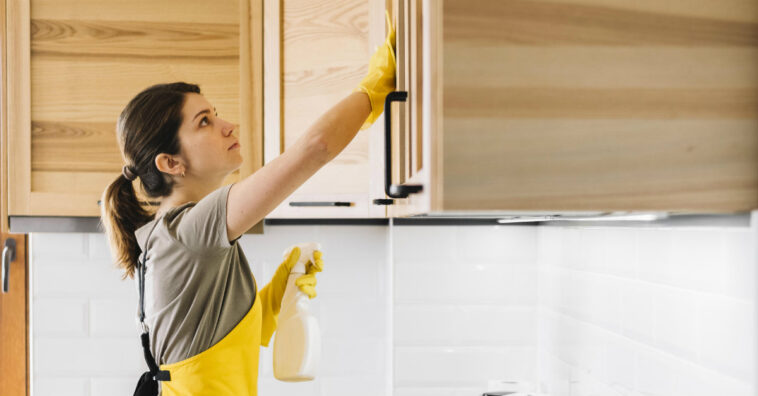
297, 341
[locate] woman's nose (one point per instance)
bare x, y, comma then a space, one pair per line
229, 129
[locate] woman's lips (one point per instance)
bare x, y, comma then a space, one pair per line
235, 145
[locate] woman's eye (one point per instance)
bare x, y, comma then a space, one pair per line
203, 119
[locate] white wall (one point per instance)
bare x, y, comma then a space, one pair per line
465, 300
647, 311
441, 310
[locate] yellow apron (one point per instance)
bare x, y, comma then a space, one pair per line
229, 367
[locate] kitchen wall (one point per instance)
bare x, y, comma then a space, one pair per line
442, 310
465, 309
647, 310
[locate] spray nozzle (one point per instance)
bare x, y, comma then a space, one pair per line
306, 255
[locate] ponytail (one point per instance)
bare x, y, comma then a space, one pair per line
121, 215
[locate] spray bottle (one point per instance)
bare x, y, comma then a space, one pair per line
297, 342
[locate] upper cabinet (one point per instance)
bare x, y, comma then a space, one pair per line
315, 55
73, 65
501, 106
575, 105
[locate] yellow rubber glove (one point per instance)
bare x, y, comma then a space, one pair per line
380, 79
271, 295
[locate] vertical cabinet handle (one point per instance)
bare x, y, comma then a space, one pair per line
9, 255
393, 190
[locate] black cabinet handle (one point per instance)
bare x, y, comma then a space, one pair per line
393, 190
320, 203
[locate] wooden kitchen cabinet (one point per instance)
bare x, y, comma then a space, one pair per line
316, 53
576, 105
73, 65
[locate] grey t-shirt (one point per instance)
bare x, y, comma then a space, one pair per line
198, 284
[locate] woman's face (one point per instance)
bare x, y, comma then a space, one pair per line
206, 140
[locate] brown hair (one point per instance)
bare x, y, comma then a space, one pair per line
148, 126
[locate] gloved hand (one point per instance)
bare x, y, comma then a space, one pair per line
306, 282
380, 79
273, 293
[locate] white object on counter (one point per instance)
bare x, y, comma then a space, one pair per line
297, 342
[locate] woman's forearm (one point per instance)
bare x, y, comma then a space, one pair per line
336, 128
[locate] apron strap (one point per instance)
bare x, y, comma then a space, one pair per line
158, 375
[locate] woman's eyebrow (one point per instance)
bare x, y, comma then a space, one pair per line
203, 111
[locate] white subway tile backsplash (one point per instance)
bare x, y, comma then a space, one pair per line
424, 243
98, 247
637, 310
740, 265
67, 280
621, 361
436, 391
54, 247
675, 318
61, 316
654, 254
728, 336
62, 386
654, 373
362, 385
351, 357
471, 282
88, 356
349, 318
503, 244
620, 252
114, 317
462, 325
113, 386
698, 259
582, 311
683, 298
462, 366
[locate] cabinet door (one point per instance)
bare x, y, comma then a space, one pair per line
409, 138
73, 65
315, 55
576, 105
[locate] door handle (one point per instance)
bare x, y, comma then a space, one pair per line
320, 203
393, 190
9, 255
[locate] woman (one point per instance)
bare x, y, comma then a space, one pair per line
205, 317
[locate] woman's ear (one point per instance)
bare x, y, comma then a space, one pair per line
168, 164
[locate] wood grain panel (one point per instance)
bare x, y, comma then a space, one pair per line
528, 22
156, 41
74, 147
19, 100
14, 322
729, 10
519, 66
96, 90
218, 11
4, 225
698, 165
89, 58
324, 56
599, 105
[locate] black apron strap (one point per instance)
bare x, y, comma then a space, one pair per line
158, 375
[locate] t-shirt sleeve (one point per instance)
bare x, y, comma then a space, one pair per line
203, 226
